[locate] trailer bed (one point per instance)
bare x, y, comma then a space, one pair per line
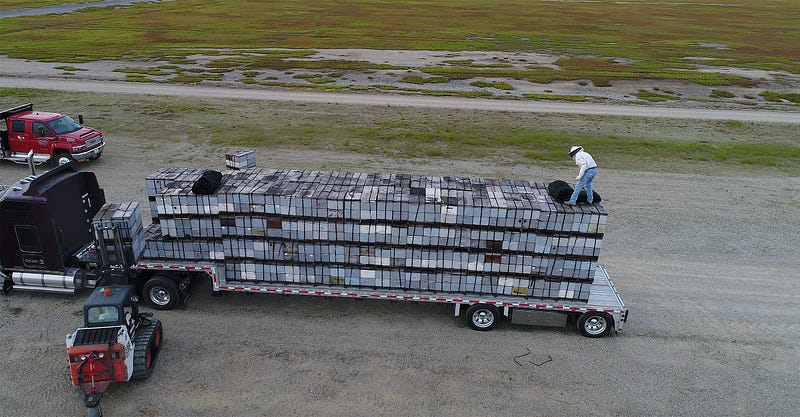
604, 296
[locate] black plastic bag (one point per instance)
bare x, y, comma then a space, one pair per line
562, 191
208, 183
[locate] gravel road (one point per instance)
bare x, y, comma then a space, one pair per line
527, 106
707, 264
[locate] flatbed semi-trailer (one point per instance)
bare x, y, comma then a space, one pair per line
496, 247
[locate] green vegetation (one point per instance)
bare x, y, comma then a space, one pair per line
69, 68
560, 97
155, 72
605, 40
315, 78
495, 84
776, 96
416, 79
655, 97
722, 94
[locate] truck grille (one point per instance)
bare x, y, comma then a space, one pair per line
96, 336
93, 141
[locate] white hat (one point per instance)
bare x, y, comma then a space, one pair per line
573, 150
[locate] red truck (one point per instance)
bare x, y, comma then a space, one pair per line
50, 136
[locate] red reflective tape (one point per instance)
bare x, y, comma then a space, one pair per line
424, 298
575, 308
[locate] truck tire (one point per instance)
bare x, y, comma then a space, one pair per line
161, 292
61, 158
145, 351
595, 324
483, 317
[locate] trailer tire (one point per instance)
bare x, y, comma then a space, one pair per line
483, 317
161, 292
595, 324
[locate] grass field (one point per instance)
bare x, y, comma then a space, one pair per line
603, 40
390, 132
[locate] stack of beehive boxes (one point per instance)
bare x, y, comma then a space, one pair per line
412, 232
119, 226
240, 159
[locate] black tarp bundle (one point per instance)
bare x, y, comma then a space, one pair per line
208, 182
561, 191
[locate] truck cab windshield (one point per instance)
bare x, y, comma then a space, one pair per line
64, 124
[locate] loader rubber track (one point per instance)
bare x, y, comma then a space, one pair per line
146, 345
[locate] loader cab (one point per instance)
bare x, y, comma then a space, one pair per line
114, 305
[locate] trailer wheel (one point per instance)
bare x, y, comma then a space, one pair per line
594, 324
482, 317
162, 292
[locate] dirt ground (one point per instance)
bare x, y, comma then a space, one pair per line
707, 265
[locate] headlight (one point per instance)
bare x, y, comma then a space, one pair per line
78, 148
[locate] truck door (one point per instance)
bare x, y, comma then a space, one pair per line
19, 138
42, 138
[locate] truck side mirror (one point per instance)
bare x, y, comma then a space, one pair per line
41, 131
80, 119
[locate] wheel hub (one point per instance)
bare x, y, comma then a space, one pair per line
159, 296
595, 325
483, 318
